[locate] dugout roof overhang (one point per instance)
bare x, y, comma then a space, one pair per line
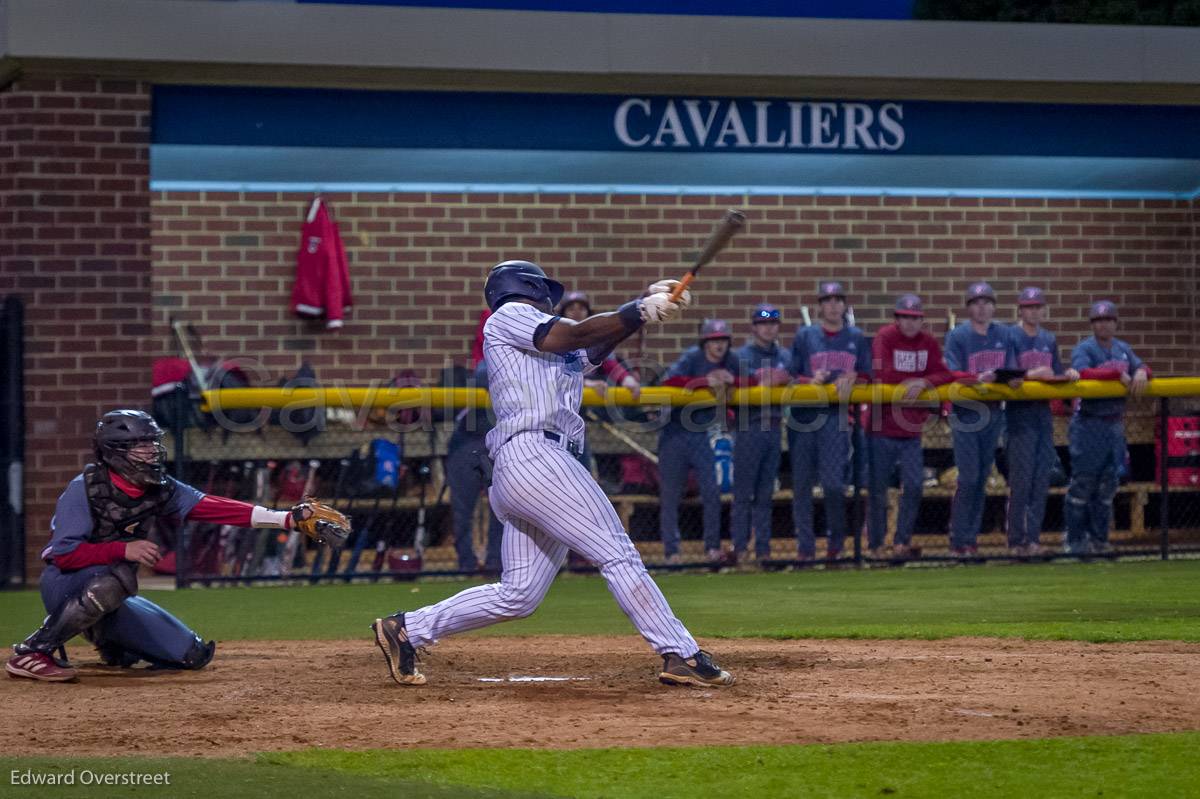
1060, 70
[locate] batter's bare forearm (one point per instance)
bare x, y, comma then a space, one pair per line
601, 330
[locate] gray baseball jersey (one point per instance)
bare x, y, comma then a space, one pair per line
546, 499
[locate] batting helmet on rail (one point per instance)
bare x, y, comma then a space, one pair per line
520, 279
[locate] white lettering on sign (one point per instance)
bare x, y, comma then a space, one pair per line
642, 122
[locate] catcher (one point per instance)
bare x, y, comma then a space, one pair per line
98, 539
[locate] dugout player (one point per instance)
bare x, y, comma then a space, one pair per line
1030, 427
977, 347
830, 351
465, 481
98, 540
685, 440
547, 500
902, 353
1097, 432
576, 307
757, 444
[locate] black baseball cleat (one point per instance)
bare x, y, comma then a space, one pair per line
699, 669
401, 657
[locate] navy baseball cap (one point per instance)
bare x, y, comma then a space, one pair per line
1102, 309
1031, 295
909, 305
714, 328
765, 312
830, 288
980, 291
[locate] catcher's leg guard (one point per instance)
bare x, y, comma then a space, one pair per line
103, 594
144, 631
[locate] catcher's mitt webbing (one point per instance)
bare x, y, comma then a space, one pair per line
320, 522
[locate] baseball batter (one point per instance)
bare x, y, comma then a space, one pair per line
546, 499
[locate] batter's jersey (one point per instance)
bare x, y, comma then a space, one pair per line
531, 390
1089, 354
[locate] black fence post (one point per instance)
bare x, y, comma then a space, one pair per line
12, 444
1164, 505
857, 463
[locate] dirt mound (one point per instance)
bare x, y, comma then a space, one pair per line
259, 696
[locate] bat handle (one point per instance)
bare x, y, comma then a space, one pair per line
677, 292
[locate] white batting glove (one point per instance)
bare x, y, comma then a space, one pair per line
658, 308
666, 287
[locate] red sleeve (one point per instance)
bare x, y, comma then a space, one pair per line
686, 381
337, 275
613, 370
222, 510
1099, 374
477, 347
935, 371
88, 554
743, 381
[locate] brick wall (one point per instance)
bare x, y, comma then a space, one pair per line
418, 261
102, 262
75, 245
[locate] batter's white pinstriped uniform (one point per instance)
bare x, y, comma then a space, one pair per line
546, 499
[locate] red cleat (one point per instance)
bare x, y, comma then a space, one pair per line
38, 666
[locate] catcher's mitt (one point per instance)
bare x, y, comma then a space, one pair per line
323, 524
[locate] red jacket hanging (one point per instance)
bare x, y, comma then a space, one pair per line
322, 277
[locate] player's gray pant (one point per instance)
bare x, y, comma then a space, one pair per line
1031, 455
886, 454
549, 503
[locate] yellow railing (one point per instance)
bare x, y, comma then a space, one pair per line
400, 398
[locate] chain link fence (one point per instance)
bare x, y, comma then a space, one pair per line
419, 508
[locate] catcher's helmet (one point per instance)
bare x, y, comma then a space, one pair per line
119, 433
520, 279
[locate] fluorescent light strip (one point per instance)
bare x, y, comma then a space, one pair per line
632, 188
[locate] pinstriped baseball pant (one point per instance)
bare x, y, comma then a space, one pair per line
549, 503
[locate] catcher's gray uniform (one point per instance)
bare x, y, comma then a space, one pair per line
546, 499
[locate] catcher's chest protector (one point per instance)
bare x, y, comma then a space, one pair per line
116, 515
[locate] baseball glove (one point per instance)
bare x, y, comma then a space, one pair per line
323, 524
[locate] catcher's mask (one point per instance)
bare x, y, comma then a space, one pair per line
130, 443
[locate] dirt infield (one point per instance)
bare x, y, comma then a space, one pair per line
259, 696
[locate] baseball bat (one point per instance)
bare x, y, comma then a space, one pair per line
731, 223
182, 330
623, 437
807, 318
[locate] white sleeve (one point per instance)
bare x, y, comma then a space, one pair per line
514, 324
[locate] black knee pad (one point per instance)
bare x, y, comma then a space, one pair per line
105, 592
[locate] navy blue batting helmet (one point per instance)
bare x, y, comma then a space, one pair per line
520, 279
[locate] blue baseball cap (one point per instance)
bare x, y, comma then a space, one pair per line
909, 305
714, 328
830, 288
765, 312
1031, 295
980, 291
1102, 309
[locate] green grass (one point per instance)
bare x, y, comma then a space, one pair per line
1158, 766
1092, 602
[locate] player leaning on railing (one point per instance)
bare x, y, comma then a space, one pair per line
98, 539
